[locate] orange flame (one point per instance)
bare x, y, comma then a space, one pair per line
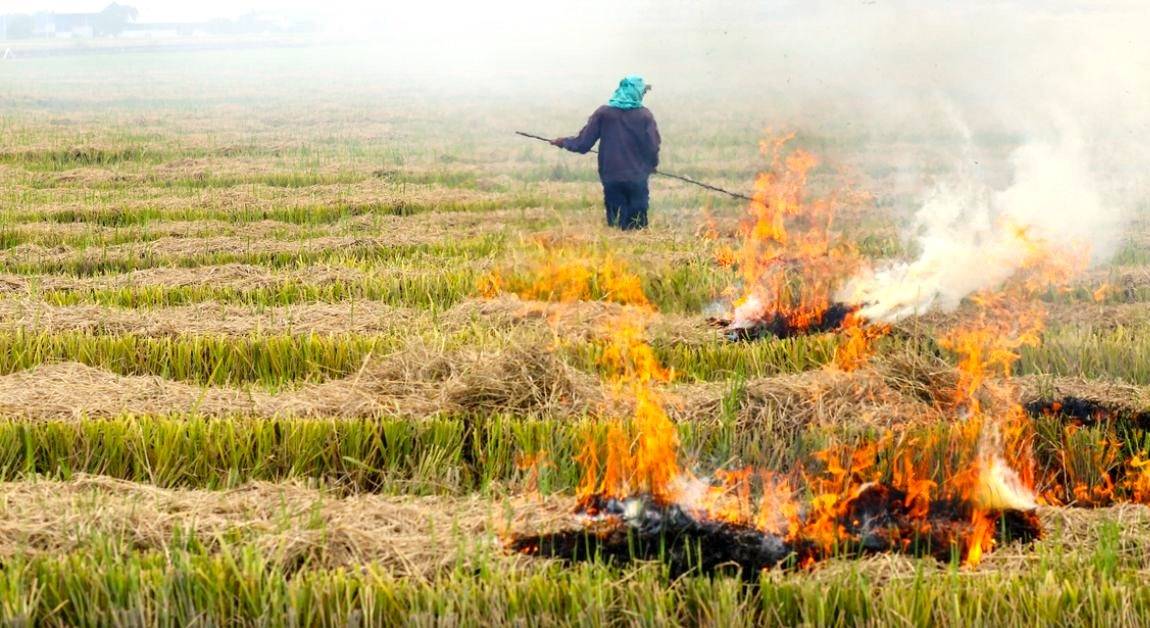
857, 342
789, 262
567, 277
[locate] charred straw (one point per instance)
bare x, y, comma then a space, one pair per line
778, 325
876, 520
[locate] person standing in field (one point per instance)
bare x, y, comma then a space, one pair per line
628, 152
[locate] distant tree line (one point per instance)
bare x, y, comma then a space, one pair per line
113, 19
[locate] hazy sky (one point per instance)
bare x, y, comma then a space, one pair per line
388, 10
431, 18
165, 10
444, 9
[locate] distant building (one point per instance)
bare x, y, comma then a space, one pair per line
66, 25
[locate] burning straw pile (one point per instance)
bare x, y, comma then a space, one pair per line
789, 262
876, 519
951, 495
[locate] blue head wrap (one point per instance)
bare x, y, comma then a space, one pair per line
629, 94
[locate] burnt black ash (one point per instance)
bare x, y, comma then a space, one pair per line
1087, 412
778, 325
638, 529
876, 520
880, 521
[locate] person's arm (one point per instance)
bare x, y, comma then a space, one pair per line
585, 140
654, 141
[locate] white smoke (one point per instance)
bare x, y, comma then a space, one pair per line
1063, 89
973, 238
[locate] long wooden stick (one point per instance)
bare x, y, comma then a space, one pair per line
662, 174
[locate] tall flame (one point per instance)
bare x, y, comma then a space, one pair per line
789, 262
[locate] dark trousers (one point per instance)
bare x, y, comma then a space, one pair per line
626, 203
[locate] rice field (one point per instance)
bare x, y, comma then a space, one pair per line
251, 372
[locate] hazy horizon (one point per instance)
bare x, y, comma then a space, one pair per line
1030, 71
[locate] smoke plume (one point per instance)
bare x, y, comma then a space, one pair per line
972, 237
1068, 89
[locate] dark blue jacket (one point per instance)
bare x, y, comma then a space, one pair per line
628, 142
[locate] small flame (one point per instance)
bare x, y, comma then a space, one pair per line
532, 464
1102, 293
857, 342
981, 538
1138, 478
1001, 488
567, 277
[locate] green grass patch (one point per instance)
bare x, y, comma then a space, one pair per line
241, 585
276, 360
105, 214
88, 262
1119, 353
435, 455
272, 361
77, 156
433, 289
